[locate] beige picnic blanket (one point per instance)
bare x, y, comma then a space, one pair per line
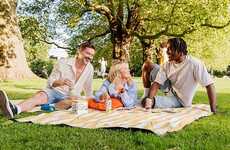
159, 121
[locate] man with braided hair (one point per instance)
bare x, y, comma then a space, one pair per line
183, 72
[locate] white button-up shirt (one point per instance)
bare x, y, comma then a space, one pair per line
65, 69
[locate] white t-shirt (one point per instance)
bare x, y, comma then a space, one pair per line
184, 77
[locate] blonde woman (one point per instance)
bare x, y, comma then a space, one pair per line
118, 85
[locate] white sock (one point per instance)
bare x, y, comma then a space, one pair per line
19, 110
146, 92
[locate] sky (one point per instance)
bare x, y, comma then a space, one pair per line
61, 39
57, 52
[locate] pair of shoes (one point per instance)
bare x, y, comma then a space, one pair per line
8, 109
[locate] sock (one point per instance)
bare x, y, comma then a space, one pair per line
146, 92
19, 110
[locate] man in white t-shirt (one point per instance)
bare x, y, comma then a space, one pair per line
184, 73
68, 79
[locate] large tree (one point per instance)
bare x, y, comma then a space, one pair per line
13, 63
149, 20
123, 20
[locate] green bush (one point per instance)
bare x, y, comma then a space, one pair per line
219, 73
228, 71
42, 68
136, 69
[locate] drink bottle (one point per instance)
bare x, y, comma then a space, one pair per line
108, 105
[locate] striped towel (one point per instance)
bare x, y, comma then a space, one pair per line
159, 121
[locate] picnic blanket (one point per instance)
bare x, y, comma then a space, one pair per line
159, 121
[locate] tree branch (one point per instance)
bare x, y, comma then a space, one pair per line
119, 19
172, 12
165, 32
155, 36
187, 31
111, 7
133, 20
101, 9
57, 45
216, 26
100, 35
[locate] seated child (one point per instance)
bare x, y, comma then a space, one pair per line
119, 86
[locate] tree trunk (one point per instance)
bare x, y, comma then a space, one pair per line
121, 48
13, 63
147, 50
148, 53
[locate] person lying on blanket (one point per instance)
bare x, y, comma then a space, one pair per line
71, 75
183, 72
120, 87
149, 71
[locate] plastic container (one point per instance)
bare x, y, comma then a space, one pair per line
48, 107
80, 107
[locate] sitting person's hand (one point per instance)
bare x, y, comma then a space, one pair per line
73, 97
104, 97
63, 104
147, 103
62, 82
120, 88
118, 82
129, 80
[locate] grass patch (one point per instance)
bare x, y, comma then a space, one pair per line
207, 133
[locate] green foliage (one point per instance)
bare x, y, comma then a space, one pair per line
32, 32
218, 73
88, 26
178, 16
69, 12
159, 20
136, 58
228, 71
208, 133
212, 46
36, 51
42, 68
102, 50
32, 29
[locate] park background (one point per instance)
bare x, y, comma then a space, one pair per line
120, 29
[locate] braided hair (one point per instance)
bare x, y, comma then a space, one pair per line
178, 45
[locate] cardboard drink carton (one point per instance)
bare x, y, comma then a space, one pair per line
80, 107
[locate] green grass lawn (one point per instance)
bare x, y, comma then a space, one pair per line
208, 133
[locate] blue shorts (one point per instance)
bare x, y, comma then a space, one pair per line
54, 96
167, 102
